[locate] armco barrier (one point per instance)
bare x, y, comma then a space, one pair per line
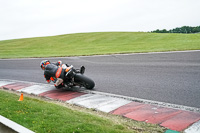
8, 126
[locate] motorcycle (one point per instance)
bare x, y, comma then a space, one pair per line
76, 77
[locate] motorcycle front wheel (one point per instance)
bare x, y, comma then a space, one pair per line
84, 81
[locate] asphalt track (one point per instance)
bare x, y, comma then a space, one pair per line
165, 77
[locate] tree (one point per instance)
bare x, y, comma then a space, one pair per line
183, 29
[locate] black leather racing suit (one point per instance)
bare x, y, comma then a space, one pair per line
50, 71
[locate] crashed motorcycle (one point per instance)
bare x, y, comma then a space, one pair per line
75, 77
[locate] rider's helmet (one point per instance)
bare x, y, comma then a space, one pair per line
44, 63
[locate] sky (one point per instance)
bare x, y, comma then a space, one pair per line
36, 18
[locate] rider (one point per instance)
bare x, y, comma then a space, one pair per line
54, 71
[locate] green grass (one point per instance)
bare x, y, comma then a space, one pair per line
97, 43
54, 117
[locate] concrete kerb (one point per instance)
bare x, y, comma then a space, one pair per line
194, 127
157, 103
161, 104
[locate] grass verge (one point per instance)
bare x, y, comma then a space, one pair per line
97, 44
43, 116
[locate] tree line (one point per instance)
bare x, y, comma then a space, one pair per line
183, 29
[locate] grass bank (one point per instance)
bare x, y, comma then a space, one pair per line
55, 117
97, 43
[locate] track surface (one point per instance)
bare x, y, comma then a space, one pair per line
165, 77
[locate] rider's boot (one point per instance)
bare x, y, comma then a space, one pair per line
82, 70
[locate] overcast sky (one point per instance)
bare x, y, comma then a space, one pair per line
34, 18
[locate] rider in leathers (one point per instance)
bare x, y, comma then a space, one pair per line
54, 72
